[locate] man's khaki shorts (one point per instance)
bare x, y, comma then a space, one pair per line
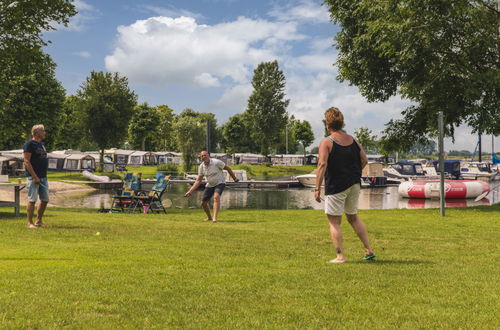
344, 201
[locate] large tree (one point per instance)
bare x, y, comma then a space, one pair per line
367, 139
164, 138
190, 133
203, 117
442, 55
72, 132
29, 94
267, 105
108, 106
142, 128
303, 133
236, 135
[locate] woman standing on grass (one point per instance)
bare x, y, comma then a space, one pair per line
341, 159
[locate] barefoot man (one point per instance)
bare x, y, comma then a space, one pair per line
36, 163
212, 170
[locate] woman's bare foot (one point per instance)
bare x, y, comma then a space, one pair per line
208, 219
337, 261
31, 225
39, 223
214, 220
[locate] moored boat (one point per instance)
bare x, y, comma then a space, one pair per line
454, 189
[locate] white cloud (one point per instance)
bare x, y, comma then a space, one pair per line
235, 98
163, 50
172, 11
311, 11
206, 80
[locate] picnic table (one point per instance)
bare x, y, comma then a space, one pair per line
15, 204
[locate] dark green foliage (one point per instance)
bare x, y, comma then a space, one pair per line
72, 132
237, 136
367, 139
303, 133
442, 55
143, 126
190, 134
108, 104
163, 138
267, 106
29, 95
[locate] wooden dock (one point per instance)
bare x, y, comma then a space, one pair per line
148, 184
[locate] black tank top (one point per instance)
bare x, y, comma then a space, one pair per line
343, 168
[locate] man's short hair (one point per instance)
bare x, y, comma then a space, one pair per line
36, 128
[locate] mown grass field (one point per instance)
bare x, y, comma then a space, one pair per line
253, 269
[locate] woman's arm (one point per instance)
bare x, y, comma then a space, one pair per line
362, 155
324, 150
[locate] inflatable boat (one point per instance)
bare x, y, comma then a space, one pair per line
454, 189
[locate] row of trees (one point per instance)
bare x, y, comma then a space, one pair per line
104, 112
374, 145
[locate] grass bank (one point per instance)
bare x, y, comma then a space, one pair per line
253, 269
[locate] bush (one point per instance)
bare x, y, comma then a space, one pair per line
169, 168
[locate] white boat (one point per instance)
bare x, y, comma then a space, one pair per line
478, 171
408, 170
307, 180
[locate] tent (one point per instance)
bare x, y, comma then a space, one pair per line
56, 161
168, 157
138, 158
79, 162
119, 156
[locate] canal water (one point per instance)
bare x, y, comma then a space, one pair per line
296, 198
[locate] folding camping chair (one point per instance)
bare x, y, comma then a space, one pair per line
152, 201
124, 199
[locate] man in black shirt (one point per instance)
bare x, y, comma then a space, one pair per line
36, 163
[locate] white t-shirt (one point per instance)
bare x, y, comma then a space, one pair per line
213, 172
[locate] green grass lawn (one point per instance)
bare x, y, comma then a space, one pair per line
253, 269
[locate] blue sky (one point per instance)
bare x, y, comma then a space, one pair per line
201, 54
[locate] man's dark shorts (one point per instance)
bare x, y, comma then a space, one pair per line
210, 191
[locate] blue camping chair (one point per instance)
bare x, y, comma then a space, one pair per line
151, 202
124, 199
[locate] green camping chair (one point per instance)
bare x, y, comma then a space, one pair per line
124, 199
151, 202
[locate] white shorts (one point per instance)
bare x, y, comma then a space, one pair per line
344, 201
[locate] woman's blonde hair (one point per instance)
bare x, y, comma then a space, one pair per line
334, 119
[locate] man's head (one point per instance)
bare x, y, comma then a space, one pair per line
205, 156
38, 132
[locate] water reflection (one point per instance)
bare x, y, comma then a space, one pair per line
234, 198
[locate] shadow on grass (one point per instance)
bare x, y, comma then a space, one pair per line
239, 221
393, 262
49, 226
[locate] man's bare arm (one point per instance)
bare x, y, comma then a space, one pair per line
195, 186
29, 168
231, 173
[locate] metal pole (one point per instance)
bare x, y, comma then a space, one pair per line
480, 150
441, 162
208, 135
286, 136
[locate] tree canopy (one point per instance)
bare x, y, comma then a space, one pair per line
267, 105
108, 105
442, 55
303, 133
143, 125
190, 133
